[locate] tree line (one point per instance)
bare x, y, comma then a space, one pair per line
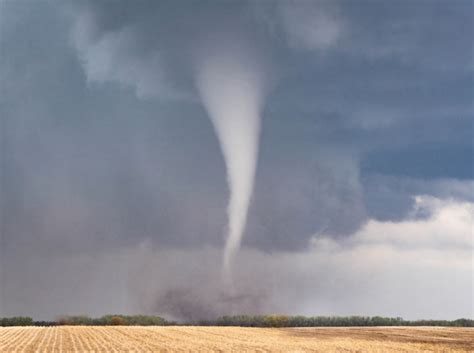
82, 320
238, 320
328, 321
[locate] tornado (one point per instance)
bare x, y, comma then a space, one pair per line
231, 87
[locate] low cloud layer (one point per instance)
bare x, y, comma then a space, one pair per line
387, 268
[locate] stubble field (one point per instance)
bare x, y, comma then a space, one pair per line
236, 339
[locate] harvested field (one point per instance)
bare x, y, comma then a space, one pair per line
237, 339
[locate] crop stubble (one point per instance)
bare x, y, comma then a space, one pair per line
236, 339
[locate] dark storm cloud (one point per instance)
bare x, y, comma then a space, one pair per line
380, 80
105, 143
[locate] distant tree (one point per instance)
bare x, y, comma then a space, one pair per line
117, 321
16, 321
240, 320
132, 320
63, 320
77, 320
463, 323
276, 321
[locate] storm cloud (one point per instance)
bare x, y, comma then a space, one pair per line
110, 162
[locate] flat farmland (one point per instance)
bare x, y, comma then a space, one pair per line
235, 339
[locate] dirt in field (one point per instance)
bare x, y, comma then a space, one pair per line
234, 339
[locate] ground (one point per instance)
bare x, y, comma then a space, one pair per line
235, 339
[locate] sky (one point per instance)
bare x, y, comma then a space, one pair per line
127, 126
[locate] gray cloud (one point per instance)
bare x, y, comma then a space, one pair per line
105, 146
386, 268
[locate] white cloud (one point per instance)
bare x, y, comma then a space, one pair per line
448, 226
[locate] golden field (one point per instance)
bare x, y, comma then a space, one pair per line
235, 339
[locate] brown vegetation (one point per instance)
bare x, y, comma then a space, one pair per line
117, 321
199, 338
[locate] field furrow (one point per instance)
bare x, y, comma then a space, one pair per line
233, 339
29, 344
